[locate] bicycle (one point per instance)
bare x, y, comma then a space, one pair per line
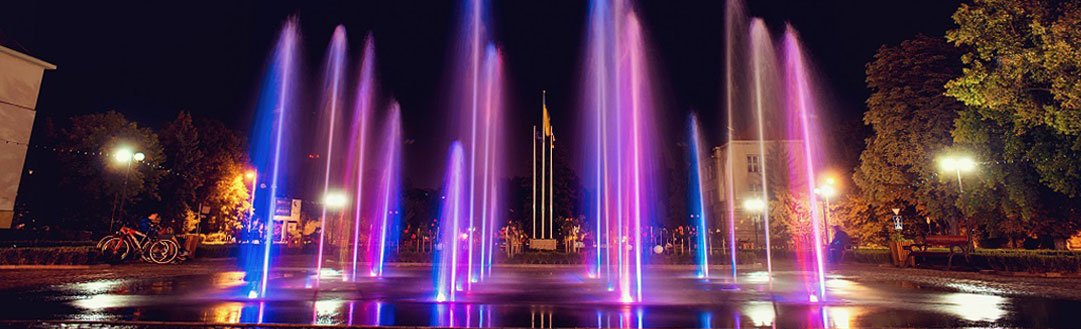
118, 247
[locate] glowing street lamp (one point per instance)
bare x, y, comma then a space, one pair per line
125, 156
335, 200
253, 176
957, 164
754, 205
827, 191
757, 207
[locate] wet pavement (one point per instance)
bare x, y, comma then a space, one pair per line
534, 296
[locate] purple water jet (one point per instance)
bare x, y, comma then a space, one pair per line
334, 85
800, 103
450, 233
618, 105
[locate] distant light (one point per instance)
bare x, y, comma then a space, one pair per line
139, 156
122, 154
253, 295
754, 204
335, 200
250, 174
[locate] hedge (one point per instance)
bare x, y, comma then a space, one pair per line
1032, 261
1003, 260
48, 256
868, 255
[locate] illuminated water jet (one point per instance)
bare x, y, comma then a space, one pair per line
801, 104
618, 105
275, 105
334, 85
362, 109
698, 206
446, 265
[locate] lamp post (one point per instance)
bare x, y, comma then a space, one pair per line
254, 177
125, 156
755, 206
827, 191
958, 164
333, 201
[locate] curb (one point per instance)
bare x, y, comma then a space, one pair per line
51, 267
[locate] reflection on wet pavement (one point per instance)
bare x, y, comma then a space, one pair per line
538, 298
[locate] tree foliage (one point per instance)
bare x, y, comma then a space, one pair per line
225, 163
1022, 75
184, 158
912, 119
98, 179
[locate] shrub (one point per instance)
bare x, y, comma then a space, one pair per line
868, 255
48, 256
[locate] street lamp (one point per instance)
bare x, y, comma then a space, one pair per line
335, 200
123, 155
827, 191
755, 206
254, 177
957, 164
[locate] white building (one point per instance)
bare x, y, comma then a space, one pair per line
746, 176
20, 79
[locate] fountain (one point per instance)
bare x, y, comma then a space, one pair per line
446, 268
618, 104
275, 105
333, 86
698, 206
801, 108
763, 64
478, 95
734, 20
362, 109
389, 191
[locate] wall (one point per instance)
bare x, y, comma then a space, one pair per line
20, 79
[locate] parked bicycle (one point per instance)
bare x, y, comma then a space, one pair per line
120, 246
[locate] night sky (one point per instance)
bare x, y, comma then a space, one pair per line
151, 59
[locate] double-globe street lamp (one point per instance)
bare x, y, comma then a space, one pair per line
958, 164
756, 207
827, 191
124, 156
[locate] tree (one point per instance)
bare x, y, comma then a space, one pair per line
226, 192
180, 140
98, 180
912, 119
1008, 200
1024, 122
1021, 74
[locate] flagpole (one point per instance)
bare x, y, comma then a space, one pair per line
544, 136
552, 181
533, 188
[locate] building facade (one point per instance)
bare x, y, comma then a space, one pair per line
20, 80
781, 157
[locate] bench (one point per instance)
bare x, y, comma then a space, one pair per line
956, 244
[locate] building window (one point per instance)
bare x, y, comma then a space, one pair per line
752, 163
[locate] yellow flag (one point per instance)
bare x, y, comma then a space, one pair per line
547, 120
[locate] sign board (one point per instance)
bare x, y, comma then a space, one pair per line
287, 209
542, 244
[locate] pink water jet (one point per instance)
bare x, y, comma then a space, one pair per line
619, 107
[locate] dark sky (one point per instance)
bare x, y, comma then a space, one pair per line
150, 59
